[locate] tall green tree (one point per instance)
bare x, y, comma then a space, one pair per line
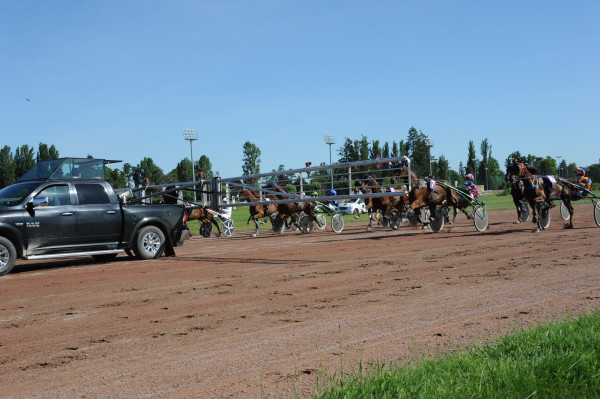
442, 168
514, 156
484, 171
562, 168
593, 171
375, 149
24, 160
402, 148
204, 166
46, 153
147, 169
251, 159
419, 147
395, 151
471, 160
547, 166
349, 151
128, 172
183, 171
364, 149
386, 150
115, 177
7, 167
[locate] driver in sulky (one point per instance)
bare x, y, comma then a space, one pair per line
584, 182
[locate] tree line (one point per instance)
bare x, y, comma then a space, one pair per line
417, 146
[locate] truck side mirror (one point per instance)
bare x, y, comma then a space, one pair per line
38, 201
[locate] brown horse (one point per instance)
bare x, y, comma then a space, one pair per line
292, 209
203, 215
385, 204
539, 191
423, 195
256, 211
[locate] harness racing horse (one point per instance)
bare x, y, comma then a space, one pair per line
517, 192
382, 204
539, 191
256, 211
292, 209
203, 215
422, 194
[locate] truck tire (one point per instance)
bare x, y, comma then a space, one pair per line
150, 240
8, 256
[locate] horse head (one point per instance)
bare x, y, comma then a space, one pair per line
515, 171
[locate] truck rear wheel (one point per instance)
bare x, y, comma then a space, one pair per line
150, 240
8, 256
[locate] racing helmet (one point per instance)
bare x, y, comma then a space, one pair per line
332, 192
580, 172
470, 176
315, 194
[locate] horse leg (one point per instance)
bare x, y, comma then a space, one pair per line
256, 225
213, 221
567, 202
454, 215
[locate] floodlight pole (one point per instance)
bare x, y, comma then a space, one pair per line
329, 140
190, 135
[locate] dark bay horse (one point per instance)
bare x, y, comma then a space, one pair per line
426, 193
256, 211
538, 190
203, 215
374, 204
292, 209
422, 195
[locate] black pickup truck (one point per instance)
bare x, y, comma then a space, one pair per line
65, 207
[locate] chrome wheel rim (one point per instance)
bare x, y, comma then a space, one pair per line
151, 243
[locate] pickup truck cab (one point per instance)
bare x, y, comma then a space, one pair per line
65, 207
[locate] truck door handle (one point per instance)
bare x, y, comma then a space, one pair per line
66, 214
111, 212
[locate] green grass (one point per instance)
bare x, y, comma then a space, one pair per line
555, 360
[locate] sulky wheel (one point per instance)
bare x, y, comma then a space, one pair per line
228, 228
320, 221
437, 223
597, 213
278, 225
523, 211
394, 219
564, 211
413, 220
206, 229
306, 224
480, 217
295, 222
337, 223
544, 216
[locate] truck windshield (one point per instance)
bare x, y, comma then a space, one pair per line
15, 193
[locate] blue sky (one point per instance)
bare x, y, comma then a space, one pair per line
121, 79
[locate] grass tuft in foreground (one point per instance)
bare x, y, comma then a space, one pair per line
556, 360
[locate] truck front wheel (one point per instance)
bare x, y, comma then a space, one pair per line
8, 256
149, 242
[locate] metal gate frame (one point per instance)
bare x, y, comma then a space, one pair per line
218, 182
212, 190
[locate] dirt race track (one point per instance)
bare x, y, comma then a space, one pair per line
247, 317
